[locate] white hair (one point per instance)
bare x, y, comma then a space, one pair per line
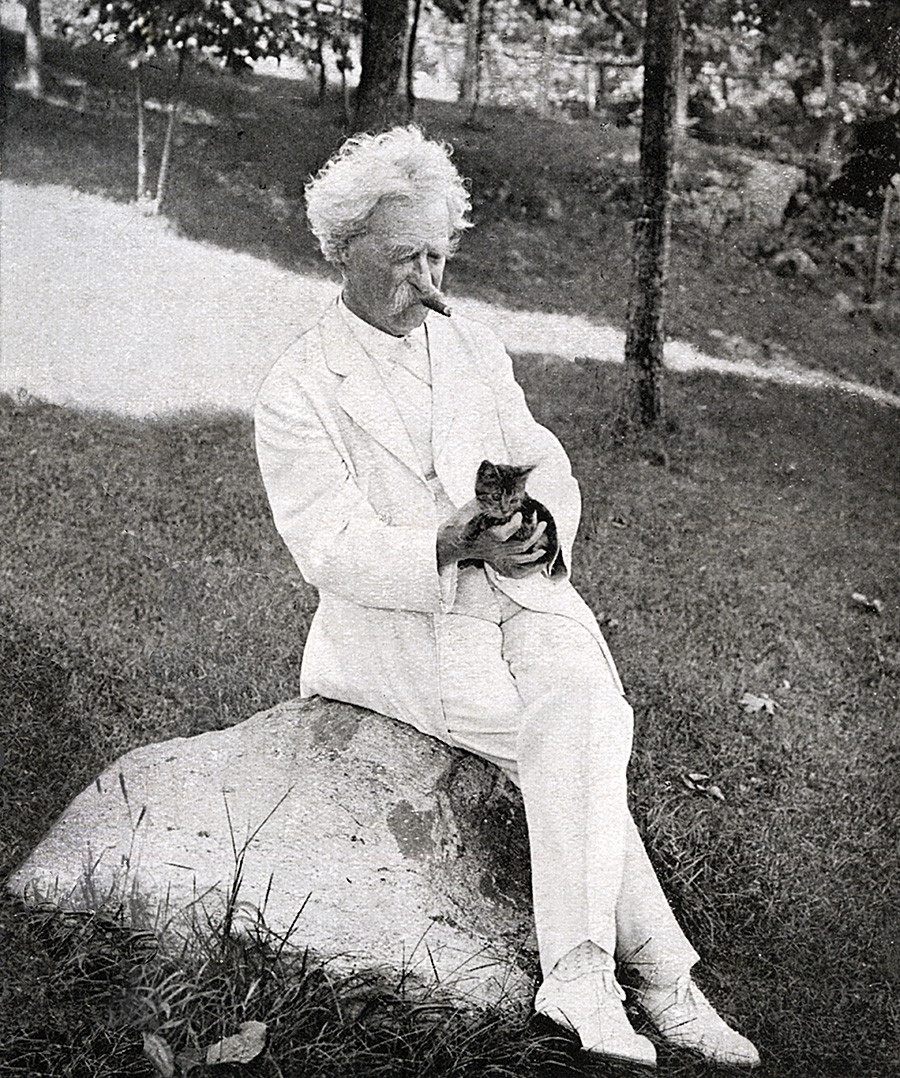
400, 163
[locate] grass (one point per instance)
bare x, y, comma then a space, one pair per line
91, 989
721, 557
144, 594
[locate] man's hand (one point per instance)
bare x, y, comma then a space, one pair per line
513, 558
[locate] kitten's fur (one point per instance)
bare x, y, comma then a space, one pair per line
500, 492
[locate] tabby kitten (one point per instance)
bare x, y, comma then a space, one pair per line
500, 493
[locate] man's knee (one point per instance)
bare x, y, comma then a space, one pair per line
596, 701
587, 711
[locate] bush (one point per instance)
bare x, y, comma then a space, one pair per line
873, 159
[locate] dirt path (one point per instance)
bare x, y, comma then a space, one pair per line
101, 307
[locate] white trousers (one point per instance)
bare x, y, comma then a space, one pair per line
534, 694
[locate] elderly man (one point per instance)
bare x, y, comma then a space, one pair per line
370, 431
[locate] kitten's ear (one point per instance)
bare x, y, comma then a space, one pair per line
486, 470
525, 469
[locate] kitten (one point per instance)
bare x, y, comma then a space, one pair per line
500, 492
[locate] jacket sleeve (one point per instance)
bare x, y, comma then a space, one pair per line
528, 442
333, 533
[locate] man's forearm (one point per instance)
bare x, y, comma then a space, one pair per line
448, 549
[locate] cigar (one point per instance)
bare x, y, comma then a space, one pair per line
435, 301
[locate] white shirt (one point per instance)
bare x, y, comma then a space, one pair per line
405, 366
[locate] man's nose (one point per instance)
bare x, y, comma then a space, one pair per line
421, 274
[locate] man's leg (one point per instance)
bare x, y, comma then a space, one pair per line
534, 695
593, 879
486, 714
576, 724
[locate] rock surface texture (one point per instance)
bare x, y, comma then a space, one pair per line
401, 853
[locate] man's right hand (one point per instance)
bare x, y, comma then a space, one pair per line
493, 546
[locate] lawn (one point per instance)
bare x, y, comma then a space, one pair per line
145, 595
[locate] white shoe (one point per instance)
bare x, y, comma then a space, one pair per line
591, 1006
686, 1019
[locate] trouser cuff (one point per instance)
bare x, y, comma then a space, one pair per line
658, 974
586, 958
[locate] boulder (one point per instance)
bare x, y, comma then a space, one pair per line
767, 188
383, 848
843, 304
747, 191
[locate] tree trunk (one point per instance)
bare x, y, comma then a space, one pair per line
345, 97
319, 53
646, 323
891, 192
468, 90
682, 86
142, 195
546, 75
829, 91
34, 48
591, 85
322, 91
378, 102
411, 59
174, 106
344, 64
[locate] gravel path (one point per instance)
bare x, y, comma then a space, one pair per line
101, 307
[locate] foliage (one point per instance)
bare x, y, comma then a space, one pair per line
872, 161
236, 32
339, 26
866, 24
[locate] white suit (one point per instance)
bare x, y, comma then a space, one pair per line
516, 670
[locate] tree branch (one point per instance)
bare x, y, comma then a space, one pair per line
620, 18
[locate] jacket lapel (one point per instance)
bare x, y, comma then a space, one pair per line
466, 427
363, 394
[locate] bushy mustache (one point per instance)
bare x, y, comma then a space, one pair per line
404, 297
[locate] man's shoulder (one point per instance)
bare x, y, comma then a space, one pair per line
303, 364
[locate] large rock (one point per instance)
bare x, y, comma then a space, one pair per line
747, 192
767, 189
399, 851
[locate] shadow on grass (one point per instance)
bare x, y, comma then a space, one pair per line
43, 690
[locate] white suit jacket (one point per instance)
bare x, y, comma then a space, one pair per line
351, 502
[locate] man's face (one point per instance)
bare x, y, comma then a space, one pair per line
401, 256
